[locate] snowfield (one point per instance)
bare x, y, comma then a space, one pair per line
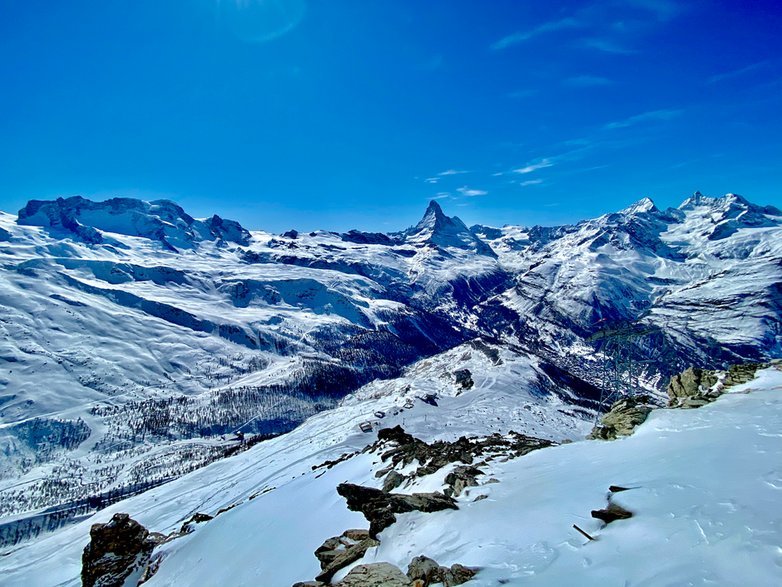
704, 489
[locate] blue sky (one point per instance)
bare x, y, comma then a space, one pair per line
338, 114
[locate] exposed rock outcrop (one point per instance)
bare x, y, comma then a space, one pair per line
693, 387
696, 387
118, 549
463, 378
738, 374
463, 450
623, 418
190, 524
375, 575
427, 572
339, 551
380, 508
461, 478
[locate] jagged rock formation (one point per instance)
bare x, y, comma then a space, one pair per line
119, 549
424, 571
623, 418
461, 478
339, 551
442, 231
695, 387
379, 508
433, 457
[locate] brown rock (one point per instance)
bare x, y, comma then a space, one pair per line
338, 552
622, 419
116, 550
612, 513
375, 575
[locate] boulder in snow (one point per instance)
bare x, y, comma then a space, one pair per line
623, 418
375, 575
424, 571
339, 551
119, 549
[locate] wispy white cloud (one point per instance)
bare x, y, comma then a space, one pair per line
587, 81
531, 182
546, 27
452, 172
442, 195
738, 72
432, 180
651, 116
534, 166
470, 192
607, 46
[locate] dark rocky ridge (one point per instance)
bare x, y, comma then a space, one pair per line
379, 507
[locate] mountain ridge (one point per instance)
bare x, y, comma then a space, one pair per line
154, 342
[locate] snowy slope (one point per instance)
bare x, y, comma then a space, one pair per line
136, 339
705, 494
120, 348
706, 275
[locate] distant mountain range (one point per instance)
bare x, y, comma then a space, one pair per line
139, 343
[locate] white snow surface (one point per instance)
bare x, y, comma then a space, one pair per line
705, 492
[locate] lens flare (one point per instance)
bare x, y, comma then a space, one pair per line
258, 21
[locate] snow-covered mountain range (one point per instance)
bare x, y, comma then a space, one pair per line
139, 343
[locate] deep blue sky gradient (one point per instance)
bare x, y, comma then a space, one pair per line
351, 113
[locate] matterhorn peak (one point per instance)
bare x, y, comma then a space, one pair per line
433, 216
445, 231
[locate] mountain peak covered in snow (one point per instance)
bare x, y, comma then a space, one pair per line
161, 220
725, 215
640, 207
445, 231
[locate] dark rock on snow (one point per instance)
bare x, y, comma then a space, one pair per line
379, 508
118, 549
612, 513
461, 478
463, 378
